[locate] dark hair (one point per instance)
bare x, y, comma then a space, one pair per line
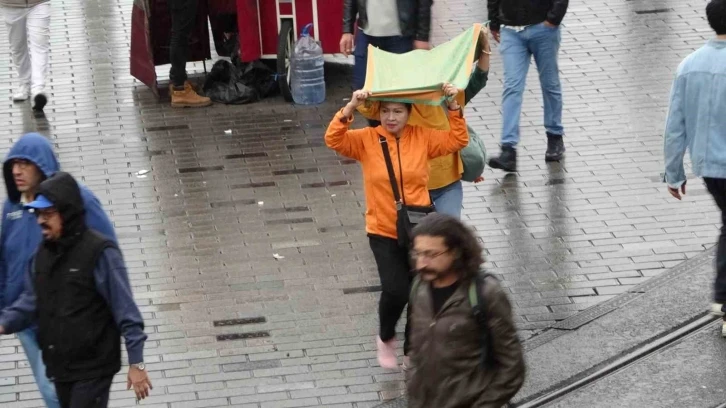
457, 237
407, 105
716, 14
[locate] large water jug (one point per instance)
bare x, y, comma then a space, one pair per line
306, 69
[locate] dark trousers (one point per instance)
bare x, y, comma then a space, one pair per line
717, 188
183, 17
396, 44
91, 393
394, 271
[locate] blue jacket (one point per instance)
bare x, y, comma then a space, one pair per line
697, 116
20, 234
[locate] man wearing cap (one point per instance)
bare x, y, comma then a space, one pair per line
78, 290
30, 161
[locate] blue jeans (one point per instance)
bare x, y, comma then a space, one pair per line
517, 49
448, 199
396, 44
29, 341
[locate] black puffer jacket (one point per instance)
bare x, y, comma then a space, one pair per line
414, 17
525, 12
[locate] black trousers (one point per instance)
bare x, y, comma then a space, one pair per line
91, 393
183, 17
717, 188
394, 271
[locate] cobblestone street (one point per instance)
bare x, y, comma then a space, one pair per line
247, 251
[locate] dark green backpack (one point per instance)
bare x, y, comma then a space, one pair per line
478, 311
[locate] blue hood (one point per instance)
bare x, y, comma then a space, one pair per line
35, 148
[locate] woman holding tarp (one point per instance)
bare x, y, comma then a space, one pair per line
446, 172
394, 157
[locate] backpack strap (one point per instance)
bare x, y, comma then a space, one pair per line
414, 288
478, 310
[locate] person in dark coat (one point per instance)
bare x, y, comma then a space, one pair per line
78, 291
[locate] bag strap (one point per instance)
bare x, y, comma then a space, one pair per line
478, 309
391, 174
414, 288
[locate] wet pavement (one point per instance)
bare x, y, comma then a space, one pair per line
247, 252
654, 346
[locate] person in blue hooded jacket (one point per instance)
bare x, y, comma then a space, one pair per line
30, 161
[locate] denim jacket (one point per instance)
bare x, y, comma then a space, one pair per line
697, 116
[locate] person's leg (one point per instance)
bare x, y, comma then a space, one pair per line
29, 341
515, 59
544, 43
15, 24
717, 188
39, 39
64, 391
183, 21
91, 393
183, 17
448, 199
360, 55
395, 276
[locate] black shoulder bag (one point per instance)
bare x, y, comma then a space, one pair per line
407, 215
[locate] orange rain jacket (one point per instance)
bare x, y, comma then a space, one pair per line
417, 146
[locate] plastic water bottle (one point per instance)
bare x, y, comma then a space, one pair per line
306, 69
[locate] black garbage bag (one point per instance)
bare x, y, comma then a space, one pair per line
223, 85
237, 82
260, 77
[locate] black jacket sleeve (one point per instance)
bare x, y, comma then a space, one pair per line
423, 20
350, 11
493, 9
557, 13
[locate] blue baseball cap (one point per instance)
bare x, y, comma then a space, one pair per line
40, 203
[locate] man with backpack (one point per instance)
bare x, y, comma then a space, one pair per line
464, 346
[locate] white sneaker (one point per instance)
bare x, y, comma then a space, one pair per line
717, 309
723, 330
22, 94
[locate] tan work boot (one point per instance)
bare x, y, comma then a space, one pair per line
187, 98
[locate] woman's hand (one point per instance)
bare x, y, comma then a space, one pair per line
451, 91
356, 100
486, 50
484, 40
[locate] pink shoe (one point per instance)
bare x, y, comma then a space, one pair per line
387, 353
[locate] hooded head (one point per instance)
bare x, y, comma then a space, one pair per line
32, 148
59, 207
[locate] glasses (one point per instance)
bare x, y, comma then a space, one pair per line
426, 255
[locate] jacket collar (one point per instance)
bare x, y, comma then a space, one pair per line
461, 294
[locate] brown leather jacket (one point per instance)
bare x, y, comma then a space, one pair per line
446, 351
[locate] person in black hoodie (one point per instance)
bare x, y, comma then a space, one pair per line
528, 28
77, 290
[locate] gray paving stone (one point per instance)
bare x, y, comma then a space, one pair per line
199, 247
